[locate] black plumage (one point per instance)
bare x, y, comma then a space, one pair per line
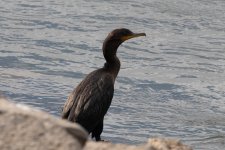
90, 100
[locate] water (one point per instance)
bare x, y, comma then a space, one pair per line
171, 83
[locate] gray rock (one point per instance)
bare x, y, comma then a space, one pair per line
165, 144
25, 128
153, 144
90, 145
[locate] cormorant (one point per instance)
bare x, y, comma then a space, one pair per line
90, 100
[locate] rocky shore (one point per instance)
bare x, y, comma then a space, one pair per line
26, 128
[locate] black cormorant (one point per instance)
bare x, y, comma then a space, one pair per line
90, 100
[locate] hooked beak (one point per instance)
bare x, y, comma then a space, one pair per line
134, 35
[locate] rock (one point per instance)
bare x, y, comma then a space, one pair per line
153, 144
25, 128
165, 144
90, 145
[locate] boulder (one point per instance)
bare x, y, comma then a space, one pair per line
25, 128
90, 145
152, 144
165, 144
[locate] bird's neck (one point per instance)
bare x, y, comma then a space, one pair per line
113, 66
112, 61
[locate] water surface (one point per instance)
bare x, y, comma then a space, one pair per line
171, 83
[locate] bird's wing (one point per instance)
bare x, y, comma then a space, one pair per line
90, 101
100, 97
94, 102
68, 104
75, 95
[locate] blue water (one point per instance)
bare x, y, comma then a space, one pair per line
171, 83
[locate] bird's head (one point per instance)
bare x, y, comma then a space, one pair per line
121, 35
117, 37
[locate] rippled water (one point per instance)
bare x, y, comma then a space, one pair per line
171, 84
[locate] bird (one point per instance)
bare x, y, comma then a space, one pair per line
88, 103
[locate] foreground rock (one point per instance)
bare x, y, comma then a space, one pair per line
153, 144
24, 128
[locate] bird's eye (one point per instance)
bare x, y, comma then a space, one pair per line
125, 32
